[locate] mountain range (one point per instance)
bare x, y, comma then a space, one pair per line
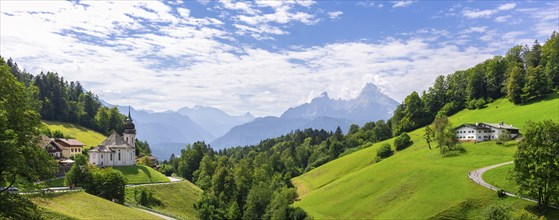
168, 132
322, 112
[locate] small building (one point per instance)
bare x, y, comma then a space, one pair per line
52, 148
70, 147
484, 131
61, 147
116, 150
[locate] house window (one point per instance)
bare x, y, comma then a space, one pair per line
118, 155
101, 156
111, 157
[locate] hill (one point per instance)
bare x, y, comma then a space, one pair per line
81, 205
141, 174
85, 135
416, 182
176, 198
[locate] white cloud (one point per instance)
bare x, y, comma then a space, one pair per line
254, 19
208, 67
478, 29
478, 13
335, 14
506, 7
370, 4
502, 19
402, 4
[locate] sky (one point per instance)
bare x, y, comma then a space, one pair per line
261, 56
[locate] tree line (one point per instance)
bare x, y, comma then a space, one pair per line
60, 100
523, 75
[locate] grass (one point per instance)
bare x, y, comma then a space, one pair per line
80, 205
501, 177
141, 174
416, 182
84, 135
176, 198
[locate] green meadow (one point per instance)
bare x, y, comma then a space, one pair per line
176, 198
88, 137
81, 205
417, 183
502, 178
141, 174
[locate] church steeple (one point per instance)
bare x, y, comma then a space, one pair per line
129, 133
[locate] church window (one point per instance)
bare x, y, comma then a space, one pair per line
111, 157
118, 155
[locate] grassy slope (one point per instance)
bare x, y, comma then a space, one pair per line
81, 205
417, 182
176, 198
501, 177
86, 136
141, 174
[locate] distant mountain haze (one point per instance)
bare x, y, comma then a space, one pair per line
370, 105
214, 120
321, 113
168, 132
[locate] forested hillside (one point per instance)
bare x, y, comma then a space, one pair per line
523, 75
65, 101
238, 182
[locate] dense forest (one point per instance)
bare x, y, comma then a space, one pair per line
65, 101
254, 181
523, 75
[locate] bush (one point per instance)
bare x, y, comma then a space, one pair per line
384, 151
402, 142
480, 103
145, 198
501, 193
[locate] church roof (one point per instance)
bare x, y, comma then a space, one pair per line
115, 141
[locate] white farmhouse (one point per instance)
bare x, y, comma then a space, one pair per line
484, 131
116, 150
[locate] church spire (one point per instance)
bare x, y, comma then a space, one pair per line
129, 117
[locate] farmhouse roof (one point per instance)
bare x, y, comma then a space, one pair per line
69, 142
500, 125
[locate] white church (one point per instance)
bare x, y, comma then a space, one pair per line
116, 150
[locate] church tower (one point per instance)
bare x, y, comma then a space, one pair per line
129, 133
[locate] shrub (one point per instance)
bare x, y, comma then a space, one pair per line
402, 142
384, 151
497, 212
501, 193
480, 103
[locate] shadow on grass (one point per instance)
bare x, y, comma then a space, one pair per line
146, 171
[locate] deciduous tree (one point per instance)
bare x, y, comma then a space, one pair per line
536, 163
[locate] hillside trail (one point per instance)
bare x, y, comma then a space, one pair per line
476, 176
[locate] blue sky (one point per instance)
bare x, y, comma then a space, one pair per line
261, 56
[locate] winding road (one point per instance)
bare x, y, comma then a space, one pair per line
476, 176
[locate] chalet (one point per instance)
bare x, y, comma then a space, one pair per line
61, 147
51, 147
484, 131
116, 150
70, 147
